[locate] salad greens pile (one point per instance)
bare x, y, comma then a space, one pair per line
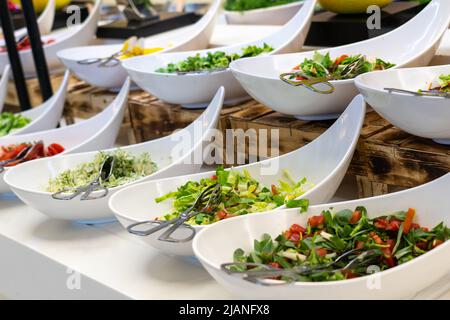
328, 236
10, 122
444, 83
213, 60
243, 5
241, 194
127, 168
344, 67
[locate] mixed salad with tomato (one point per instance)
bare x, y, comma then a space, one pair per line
343, 67
241, 194
37, 150
395, 237
24, 44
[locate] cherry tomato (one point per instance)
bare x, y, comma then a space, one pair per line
297, 228
316, 221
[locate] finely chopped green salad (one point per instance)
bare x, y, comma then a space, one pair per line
213, 60
241, 194
127, 168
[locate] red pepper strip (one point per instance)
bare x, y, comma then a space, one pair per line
408, 220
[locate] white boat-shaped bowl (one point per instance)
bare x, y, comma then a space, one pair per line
334, 148
4, 86
427, 117
192, 38
276, 15
44, 21
47, 115
215, 245
407, 46
195, 90
175, 155
98, 132
73, 36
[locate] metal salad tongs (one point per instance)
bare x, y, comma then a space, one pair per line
22, 154
421, 93
311, 83
107, 62
105, 173
206, 202
259, 272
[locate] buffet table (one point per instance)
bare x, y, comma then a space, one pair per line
49, 259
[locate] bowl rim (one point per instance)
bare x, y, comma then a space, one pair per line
267, 9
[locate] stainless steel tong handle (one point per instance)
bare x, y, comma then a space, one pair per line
107, 62
309, 84
422, 93
87, 191
22, 154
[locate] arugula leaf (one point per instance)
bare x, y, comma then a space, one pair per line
303, 204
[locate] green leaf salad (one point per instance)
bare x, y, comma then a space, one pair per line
241, 194
243, 5
9, 122
213, 60
344, 67
127, 168
327, 236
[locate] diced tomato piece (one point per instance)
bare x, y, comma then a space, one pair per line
349, 274
423, 245
296, 67
340, 59
425, 229
300, 78
316, 221
380, 224
221, 214
274, 189
321, 252
297, 228
355, 217
54, 149
274, 265
288, 234
295, 238
393, 225
360, 244
415, 226
214, 177
408, 220
437, 242
391, 244
389, 261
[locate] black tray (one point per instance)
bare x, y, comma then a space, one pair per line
329, 29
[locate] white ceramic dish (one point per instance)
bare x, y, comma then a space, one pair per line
175, 155
194, 37
409, 45
98, 132
277, 15
44, 21
195, 90
4, 85
47, 115
427, 117
334, 148
74, 36
214, 246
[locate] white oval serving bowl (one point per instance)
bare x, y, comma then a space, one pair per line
29, 180
334, 148
407, 46
45, 116
74, 36
427, 117
193, 37
276, 15
4, 81
195, 90
215, 245
98, 132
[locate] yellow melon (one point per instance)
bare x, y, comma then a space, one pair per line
39, 5
351, 6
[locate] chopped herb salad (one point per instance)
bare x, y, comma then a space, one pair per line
213, 60
443, 84
395, 237
127, 168
241, 194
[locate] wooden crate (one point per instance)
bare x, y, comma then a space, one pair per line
386, 158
